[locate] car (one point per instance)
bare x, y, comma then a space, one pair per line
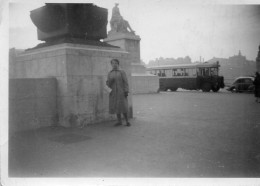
242, 84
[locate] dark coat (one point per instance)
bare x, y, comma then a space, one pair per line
257, 86
117, 81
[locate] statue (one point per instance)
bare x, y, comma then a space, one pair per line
117, 22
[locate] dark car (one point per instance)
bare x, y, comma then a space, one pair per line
242, 84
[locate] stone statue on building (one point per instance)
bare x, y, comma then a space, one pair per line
117, 22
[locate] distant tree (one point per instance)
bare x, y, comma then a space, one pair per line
187, 60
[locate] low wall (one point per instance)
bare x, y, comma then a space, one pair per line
32, 103
144, 83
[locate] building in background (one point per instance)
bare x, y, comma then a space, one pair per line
234, 67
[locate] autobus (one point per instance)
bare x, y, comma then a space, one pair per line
195, 76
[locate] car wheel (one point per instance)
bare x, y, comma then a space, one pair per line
215, 88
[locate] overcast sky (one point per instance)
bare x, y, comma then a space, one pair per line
167, 28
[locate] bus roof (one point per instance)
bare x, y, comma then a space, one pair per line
192, 65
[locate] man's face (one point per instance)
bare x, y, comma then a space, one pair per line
114, 65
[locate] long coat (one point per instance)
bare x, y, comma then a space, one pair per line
117, 81
257, 86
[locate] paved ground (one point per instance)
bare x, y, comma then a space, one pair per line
173, 134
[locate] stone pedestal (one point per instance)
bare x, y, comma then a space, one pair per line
81, 72
128, 42
131, 43
145, 83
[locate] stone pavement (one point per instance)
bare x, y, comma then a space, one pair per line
173, 134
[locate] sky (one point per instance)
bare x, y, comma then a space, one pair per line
168, 28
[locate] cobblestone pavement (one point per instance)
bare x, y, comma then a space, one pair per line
173, 134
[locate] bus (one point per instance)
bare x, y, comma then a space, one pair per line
194, 76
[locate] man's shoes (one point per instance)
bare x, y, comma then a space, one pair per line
128, 124
117, 124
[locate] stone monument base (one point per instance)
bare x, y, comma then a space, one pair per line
81, 73
138, 68
144, 83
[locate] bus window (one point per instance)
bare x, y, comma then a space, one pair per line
207, 72
179, 72
201, 72
194, 72
168, 73
190, 72
213, 71
174, 72
163, 73
185, 72
198, 72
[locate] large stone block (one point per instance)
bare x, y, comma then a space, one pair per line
47, 67
46, 88
145, 83
79, 65
62, 86
138, 68
21, 89
46, 105
32, 103
127, 42
81, 72
60, 66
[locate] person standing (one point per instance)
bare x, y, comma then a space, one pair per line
117, 81
257, 86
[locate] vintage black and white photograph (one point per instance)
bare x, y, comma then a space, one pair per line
134, 89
